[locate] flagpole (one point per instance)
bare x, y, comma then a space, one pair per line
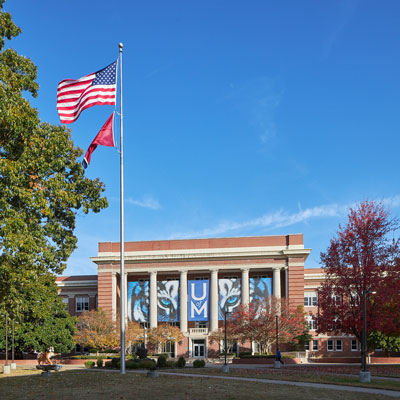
122, 236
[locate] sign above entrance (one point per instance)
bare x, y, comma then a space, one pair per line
198, 304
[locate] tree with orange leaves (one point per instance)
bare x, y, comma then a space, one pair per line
256, 322
95, 329
164, 333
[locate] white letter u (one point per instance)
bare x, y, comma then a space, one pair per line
203, 295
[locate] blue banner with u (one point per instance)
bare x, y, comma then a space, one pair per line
198, 304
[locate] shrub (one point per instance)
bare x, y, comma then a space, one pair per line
171, 364
108, 364
162, 361
132, 364
181, 362
166, 355
116, 362
199, 363
244, 353
141, 352
100, 362
146, 364
89, 364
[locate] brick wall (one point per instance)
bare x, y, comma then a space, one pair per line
104, 291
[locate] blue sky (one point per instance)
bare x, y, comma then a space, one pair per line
241, 118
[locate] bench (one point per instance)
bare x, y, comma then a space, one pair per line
46, 369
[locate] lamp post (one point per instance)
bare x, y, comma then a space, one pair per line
6, 368
13, 365
277, 363
144, 336
225, 367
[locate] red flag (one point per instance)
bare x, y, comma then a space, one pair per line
104, 138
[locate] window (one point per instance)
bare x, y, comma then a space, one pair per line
312, 323
201, 324
66, 302
230, 277
354, 345
82, 350
310, 299
339, 345
307, 346
315, 345
337, 299
201, 278
329, 345
169, 347
175, 323
82, 304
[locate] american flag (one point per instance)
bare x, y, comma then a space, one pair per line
74, 96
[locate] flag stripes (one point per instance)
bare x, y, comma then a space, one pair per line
74, 96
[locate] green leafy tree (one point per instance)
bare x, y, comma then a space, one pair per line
388, 343
42, 188
51, 327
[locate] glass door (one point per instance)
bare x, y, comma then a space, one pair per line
199, 350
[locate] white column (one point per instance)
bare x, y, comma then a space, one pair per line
114, 296
214, 301
245, 286
153, 299
183, 306
277, 282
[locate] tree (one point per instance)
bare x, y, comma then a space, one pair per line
52, 327
164, 333
96, 329
378, 340
219, 335
134, 333
42, 187
256, 322
363, 258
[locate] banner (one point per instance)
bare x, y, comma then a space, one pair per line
198, 304
168, 301
260, 289
229, 296
138, 301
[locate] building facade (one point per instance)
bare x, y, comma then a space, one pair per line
190, 283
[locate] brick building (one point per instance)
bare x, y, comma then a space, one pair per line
207, 276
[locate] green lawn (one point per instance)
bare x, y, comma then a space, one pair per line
88, 385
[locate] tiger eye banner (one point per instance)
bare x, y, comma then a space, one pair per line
168, 301
229, 296
198, 304
138, 301
260, 288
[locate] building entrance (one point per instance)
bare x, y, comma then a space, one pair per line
199, 348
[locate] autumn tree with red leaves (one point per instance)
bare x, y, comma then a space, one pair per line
256, 322
363, 257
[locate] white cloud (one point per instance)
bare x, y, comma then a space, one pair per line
280, 219
145, 202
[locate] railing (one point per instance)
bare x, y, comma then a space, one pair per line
198, 331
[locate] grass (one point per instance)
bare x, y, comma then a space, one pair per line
299, 375
112, 385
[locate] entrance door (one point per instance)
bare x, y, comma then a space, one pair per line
199, 349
